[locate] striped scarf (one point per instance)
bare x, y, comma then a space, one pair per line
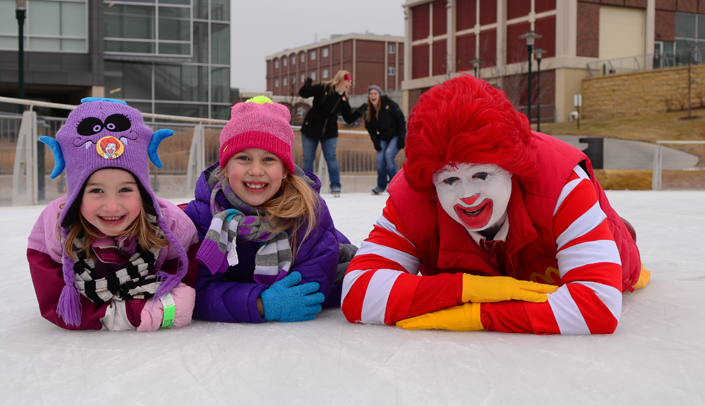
133, 281
242, 222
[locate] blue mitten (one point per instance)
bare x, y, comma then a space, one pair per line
286, 300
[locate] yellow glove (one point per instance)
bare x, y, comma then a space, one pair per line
644, 278
465, 317
490, 289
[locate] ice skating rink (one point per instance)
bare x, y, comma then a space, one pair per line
656, 356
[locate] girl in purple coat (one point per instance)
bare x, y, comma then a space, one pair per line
269, 249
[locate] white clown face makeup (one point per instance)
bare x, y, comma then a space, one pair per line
475, 196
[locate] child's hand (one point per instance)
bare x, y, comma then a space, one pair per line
152, 314
286, 300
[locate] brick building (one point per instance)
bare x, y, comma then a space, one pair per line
581, 38
372, 59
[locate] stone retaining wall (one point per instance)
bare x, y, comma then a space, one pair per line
642, 93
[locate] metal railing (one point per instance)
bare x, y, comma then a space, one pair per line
645, 62
192, 148
657, 174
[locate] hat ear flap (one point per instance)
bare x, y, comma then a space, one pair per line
59, 163
157, 138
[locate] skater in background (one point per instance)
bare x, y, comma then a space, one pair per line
110, 254
508, 228
269, 248
321, 122
386, 125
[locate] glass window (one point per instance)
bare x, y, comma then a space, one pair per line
183, 110
312, 56
220, 85
313, 76
123, 21
284, 82
303, 78
174, 23
701, 27
200, 42
128, 80
284, 62
391, 71
45, 44
73, 19
293, 60
293, 80
276, 64
200, 9
179, 2
685, 25
276, 82
392, 48
303, 57
220, 112
324, 53
168, 48
129, 47
324, 74
220, 10
43, 20
8, 21
220, 44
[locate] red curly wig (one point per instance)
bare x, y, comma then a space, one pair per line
466, 120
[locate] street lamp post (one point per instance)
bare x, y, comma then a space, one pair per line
530, 36
20, 13
475, 65
538, 52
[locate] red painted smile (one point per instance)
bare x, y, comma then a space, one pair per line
478, 217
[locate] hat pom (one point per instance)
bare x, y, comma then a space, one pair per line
69, 307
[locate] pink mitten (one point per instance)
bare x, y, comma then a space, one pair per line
153, 312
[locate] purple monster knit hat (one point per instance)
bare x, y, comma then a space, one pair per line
258, 123
99, 134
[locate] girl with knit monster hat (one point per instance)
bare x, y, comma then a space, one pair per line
508, 227
109, 254
269, 249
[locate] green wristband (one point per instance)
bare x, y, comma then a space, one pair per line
169, 310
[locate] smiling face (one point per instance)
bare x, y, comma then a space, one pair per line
111, 201
475, 196
373, 95
255, 175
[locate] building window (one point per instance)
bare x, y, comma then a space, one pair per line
391, 71
324, 53
324, 74
301, 112
690, 39
56, 26
293, 80
161, 29
303, 57
276, 64
303, 78
284, 82
392, 48
313, 76
312, 56
293, 60
276, 82
284, 62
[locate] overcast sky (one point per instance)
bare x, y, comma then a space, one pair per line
265, 27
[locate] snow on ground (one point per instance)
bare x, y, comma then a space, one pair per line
657, 355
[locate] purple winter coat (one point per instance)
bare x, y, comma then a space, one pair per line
232, 296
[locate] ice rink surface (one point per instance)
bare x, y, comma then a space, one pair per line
656, 356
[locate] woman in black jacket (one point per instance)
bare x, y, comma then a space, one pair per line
387, 127
321, 122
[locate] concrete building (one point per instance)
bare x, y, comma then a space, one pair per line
161, 56
580, 38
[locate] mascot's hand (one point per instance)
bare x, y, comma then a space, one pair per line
490, 289
465, 317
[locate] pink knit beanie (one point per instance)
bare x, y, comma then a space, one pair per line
258, 123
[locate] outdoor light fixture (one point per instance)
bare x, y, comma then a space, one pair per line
530, 36
538, 52
476, 65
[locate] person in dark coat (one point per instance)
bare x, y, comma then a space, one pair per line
321, 122
386, 125
269, 249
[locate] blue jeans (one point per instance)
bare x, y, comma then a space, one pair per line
386, 167
328, 146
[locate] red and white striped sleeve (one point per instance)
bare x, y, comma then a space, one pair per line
589, 300
382, 285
